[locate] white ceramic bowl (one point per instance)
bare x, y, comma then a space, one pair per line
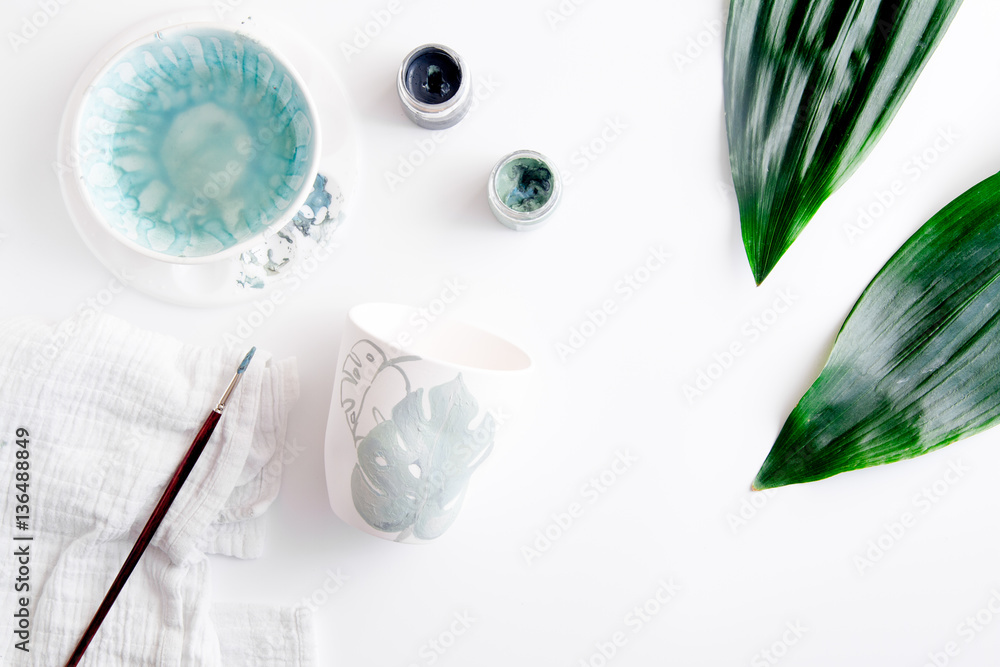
194, 142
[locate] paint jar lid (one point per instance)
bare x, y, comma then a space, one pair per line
523, 190
433, 86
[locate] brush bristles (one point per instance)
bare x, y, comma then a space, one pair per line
246, 361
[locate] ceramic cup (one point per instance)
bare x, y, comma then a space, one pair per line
195, 141
416, 410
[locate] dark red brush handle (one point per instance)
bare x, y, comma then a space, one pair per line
169, 494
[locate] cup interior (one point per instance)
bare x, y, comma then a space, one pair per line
195, 140
444, 341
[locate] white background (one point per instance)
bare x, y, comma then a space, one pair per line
663, 182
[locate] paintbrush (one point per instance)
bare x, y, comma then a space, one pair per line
169, 494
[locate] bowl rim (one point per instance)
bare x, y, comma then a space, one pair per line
275, 225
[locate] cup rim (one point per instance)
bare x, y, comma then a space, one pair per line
272, 228
354, 316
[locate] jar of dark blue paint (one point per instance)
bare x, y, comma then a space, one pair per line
434, 86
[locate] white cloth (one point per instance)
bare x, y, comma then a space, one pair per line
110, 410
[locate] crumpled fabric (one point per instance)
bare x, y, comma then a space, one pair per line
110, 411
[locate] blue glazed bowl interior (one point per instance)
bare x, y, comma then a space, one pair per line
195, 141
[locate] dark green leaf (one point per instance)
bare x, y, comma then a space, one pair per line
810, 86
916, 365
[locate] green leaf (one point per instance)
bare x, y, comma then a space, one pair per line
916, 365
413, 470
810, 86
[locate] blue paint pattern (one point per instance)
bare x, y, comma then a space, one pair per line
193, 142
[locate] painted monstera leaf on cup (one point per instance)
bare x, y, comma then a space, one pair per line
810, 86
916, 365
413, 469
368, 369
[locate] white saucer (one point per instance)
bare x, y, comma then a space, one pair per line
255, 272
